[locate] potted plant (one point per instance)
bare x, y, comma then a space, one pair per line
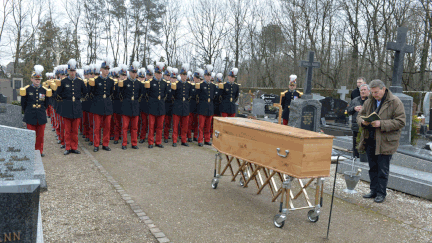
362, 153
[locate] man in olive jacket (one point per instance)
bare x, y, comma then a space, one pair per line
380, 138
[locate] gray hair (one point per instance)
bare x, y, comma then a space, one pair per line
377, 83
367, 86
362, 78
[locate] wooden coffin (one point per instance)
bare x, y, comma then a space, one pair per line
257, 142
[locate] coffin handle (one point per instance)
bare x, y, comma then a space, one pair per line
217, 133
281, 155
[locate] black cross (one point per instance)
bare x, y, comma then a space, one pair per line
400, 49
309, 65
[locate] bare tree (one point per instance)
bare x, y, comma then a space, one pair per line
170, 30
5, 12
73, 10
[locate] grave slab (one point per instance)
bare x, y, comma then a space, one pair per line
10, 115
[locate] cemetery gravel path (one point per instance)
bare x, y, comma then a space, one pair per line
81, 205
172, 187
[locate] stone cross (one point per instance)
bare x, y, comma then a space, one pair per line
400, 49
310, 64
343, 91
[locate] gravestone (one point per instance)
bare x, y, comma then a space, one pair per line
269, 100
3, 99
305, 112
400, 48
317, 96
258, 107
426, 106
333, 110
15, 95
343, 91
11, 115
19, 190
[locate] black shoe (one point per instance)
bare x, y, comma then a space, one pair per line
379, 199
80, 133
169, 137
91, 143
87, 139
135, 147
67, 152
42, 155
106, 148
195, 139
185, 144
116, 142
101, 143
124, 147
150, 146
111, 138
63, 146
190, 140
83, 136
159, 145
370, 195
53, 129
127, 142
207, 143
166, 141
174, 145
58, 142
200, 144
96, 149
141, 140
75, 151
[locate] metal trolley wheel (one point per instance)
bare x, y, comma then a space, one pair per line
311, 218
214, 183
275, 221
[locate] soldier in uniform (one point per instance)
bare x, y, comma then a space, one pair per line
157, 90
229, 93
217, 101
182, 94
168, 106
69, 95
122, 71
206, 94
102, 91
287, 97
130, 91
86, 106
115, 76
144, 105
193, 115
34, 101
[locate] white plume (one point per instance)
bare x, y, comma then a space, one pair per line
97, 68
219, 76
209, 68
175, 71
72, 63
108, 61
150, 68
80, 73
293, 77
234, 71
136, 65
86, 67
201, 72
38, 69
123, 67
178, 77
160, 65
143, 70
169, 69
213, 74
185, 66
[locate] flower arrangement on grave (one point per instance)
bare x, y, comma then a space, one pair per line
346, 113
415, 129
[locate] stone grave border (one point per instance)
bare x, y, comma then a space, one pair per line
156, 232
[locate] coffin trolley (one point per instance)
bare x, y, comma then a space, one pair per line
274, 156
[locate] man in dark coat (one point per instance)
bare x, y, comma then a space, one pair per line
356, 92
157, 90
131, 92
193, 105
34, 101
229, 93
182, 94
287, 97
206, 93
144, 104
69, 95
168, 106
102, 91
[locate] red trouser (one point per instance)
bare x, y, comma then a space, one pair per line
184, 125
155, 121
133, 120
105, 121
71, 132
112, 126
193, 125
117, 126
40, 131
48, 111
53, 122
227, 114
86, 124
57, 126
167, 121
144, 125
204, 128
91, 126
285, 121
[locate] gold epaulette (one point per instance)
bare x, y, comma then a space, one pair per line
239, 84
23, 91
91, 82
221, 85
301, 94
48, 92
283, 93
197, 86
174, 85
192, 84
120, 83
147, 84
189, 82
53, 86
57, 82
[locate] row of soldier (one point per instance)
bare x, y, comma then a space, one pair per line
135, 100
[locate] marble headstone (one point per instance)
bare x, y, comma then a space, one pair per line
258, 108
305, 114
3, 99
426, 106
334, 109
11, 115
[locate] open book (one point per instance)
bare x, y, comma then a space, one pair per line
372, 117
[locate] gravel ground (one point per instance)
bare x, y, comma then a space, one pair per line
81, 205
